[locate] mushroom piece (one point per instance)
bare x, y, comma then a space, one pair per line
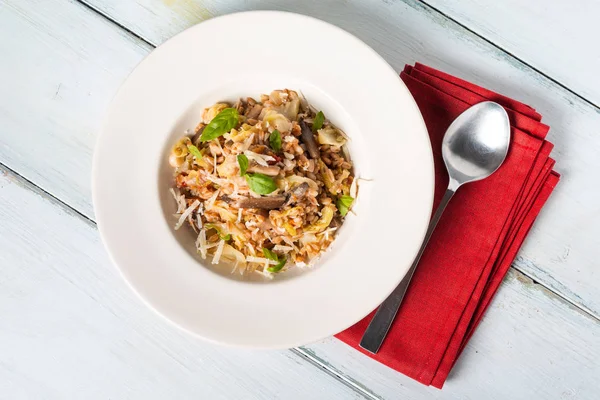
254, 112
263, 203
196, 137
271, 170
309, 140
297, 193
226, 199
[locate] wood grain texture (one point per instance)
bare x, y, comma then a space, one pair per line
55, 36
564, 244
71, 329
559, 38
61, 66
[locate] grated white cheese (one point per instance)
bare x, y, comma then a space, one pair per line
326, 232
236, 188
218, 253
185, 214
201, 243
260, 159
211, 202
251, 249
264, 273
239, 218
218, 181
211, 245
261, 260
215, 165
288, 156
247, 143
180, 199
220, 147
354, 188
283, 249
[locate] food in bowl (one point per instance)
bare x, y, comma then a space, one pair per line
265, 185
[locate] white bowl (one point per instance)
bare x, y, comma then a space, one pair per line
247, 54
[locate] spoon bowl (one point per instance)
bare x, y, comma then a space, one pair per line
476, 143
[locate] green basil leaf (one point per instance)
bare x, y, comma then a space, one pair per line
344, 203
226, 237
270, 254
243, 162
195, 151
318, 121
278, 267
222, 123
261, 184
275, 140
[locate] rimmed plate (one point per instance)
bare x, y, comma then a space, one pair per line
247, 54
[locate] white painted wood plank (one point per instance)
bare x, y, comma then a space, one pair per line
530, 345
564, 244
71, 329
61, 65
401, 32
559, 37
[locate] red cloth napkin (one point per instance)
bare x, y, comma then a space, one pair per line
477, 238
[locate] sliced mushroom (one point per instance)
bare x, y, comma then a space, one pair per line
309, 140
336, 222
263, 203
196, 137
239, 105
271, 170
254, 112
300, 190
297, 193
226, 199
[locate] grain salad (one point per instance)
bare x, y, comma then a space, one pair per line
264, 184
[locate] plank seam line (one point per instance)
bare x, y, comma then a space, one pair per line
443, 14
351, 383
580, 307
107, 17
51, 197
512, 55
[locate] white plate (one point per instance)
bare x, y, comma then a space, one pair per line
247, 54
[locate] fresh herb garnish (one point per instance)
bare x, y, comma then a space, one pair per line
260, 183
273, 256
222, 123
318, 121
275, 140
195, 151
344, 203
243, 162
219, 232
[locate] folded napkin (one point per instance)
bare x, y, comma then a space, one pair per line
476, 239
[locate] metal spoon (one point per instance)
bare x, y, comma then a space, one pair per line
474, 147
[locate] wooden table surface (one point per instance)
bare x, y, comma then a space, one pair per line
71, 329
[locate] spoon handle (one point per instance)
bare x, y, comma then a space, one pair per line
381, 322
